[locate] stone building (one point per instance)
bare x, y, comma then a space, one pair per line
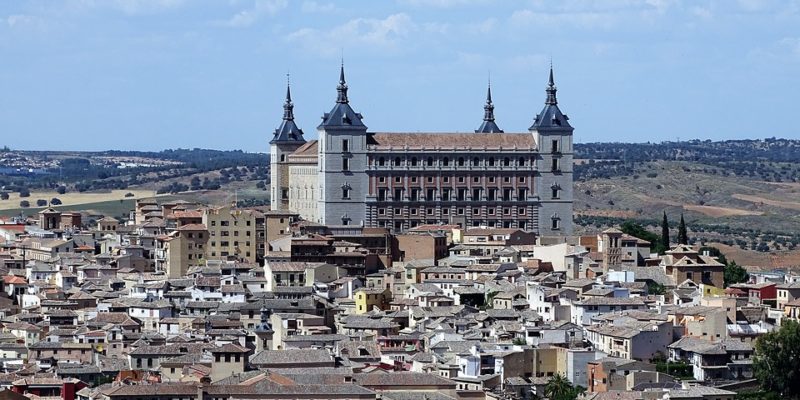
352, 176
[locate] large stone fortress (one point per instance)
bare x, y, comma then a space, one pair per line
402, 180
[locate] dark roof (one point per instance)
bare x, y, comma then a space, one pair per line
551, 117
288, 131
292, 357
488, 125
342, 115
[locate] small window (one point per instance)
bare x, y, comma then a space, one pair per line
283, 157
381, 161
345, 145
397, 161
555, 192
430, 161
555, 166
554, 146
446, 162
345, 193
461, 161
382, 179
556, 225
345, 164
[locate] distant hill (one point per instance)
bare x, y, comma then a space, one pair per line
743, 194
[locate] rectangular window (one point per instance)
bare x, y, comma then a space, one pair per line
397, 179
430, 194
555, 166
430, 179
413, 211
382, 179
398, 194
476, 179
345, 164
413, 179
345, 193
554, 146
381, 194
556, 225
445, 211
381, 211
345, 145
555, 193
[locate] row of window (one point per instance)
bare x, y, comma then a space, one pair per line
227, 233
449, 194
227, 223
459, 211
459, 179
458, 162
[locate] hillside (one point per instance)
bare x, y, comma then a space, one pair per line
743, 195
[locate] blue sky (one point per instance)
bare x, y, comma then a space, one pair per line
155, 74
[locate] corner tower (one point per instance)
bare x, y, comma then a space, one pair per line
287, 138
553, 135
342, 163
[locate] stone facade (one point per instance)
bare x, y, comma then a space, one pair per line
404, 180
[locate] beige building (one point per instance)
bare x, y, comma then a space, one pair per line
277, 224
181, 249
235, 234
303, 181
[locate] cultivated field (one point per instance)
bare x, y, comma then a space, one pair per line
71, 199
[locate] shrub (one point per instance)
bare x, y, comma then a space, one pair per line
41, 203
55, 201
24, 203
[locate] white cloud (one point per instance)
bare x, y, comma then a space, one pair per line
315, 7
701, 12
581, 19
443, 3
133, 7
19, 21
792, 44
259, 9
384, 33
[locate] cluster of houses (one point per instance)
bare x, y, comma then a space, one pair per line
181, 301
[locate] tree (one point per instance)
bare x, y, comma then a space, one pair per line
559, 388
61, 189
4, 196
634, 229
683, 236
24, 192
734, 273
665, 232
24, 203
775, 361
55, 201
41, 203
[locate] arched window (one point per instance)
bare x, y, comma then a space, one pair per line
413, 161
446, 162
430, 161
522, 161
397, 161
506, 162
381, 161
491, 161
476, 161
460, 161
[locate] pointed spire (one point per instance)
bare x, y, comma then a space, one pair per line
488, 125
551, 89
488, 109
342, 88
288, 107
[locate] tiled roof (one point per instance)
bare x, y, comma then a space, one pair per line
452, 140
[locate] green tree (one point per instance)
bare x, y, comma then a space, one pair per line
776, 360
559, 388
734, 273
634, 229
683, 236
665, 232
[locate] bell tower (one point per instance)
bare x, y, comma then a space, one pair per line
287, 138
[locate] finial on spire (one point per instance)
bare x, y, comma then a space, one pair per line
342, 88
488, 125
288, 107
551, 88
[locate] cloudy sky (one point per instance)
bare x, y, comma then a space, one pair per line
155, 74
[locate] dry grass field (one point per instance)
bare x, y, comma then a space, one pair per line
73, 198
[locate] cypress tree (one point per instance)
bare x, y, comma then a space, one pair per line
683, 236
665, 232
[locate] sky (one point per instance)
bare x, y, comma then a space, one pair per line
158, 74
